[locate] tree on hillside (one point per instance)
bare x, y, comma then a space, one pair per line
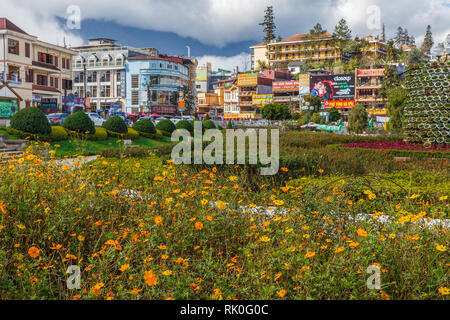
398, 39
383, 33
414, 56
396, 104
269, 25
317, 29
391, 51
391, 79
275, 111
342, 32
427, 41
261, 65
358, 119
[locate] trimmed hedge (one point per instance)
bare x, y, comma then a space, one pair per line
31, 120
209, 124
166, 125
100, 135
145, 126
79, 122
184, 124
130, 135
57, 134
154, 136
164, 133
116, 124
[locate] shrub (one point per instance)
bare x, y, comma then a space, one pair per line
358, 119
184, 124
128, 152
209, 124
31, 120
229, 125
116, 124
79, 122
154, 136
164, 133
144, 126
100, 135
130, 135
316, 118
166, 125
57, 134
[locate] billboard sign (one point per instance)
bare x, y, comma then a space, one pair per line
201, 75
248, 79
181, 105
281, 86
339, 104
262, 99
333, 87
371, 72
303, 82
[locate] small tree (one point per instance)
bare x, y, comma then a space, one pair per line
342, 32
396, 104
275, 111
269, 25
358, 119
427, 41
335, 115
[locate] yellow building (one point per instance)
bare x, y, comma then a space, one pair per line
320, 48
375, 48
259, 55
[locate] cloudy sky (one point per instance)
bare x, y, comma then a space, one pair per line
219, 31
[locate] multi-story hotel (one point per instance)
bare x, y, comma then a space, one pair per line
319, 48
39, 72
155, 84
375, 48
99, 72
368, 82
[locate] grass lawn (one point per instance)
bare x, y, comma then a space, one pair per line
10, 137
73, 147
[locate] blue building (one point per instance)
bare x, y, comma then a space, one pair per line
153, 84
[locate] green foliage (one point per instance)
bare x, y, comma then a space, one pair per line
185, 124
269, 25
116, 124
229, 125
207, 117
342, 32
154, 136
79, 122
100, 135
275, 111
209, 124
396, 105
145, 126
316, 118
335, 115
140, 152
314, 101
358, 119
166, 125
31, 120
130, 135
57, 134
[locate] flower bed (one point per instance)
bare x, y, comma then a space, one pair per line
400, 145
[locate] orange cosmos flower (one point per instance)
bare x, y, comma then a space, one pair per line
310, 254
198, 225
361, 232
150, 278
282, 293
33, 252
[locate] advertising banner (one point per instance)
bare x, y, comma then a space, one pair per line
262, 99
201, 75
303, 82
377, 112
371, 72
340, 104
181, 105
333, 87
283, 86
249, 79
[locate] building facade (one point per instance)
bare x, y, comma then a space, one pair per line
39, 72
203, 79
255, 90
368, 83
155, 84
99, 72
259, 55
375, 48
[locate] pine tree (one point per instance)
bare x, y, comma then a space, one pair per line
427, 41
398, 39
405, 38
342, 31
412, 41
269, 25
383, 33
317, 29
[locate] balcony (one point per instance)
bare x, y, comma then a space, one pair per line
99, 64
12, 79
42, 66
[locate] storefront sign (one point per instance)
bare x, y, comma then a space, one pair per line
7, 107
303, 82
181, 105
339, 104
371, 72
37, 98
281, 86
249, 79
377, 112
262, 99
49, 103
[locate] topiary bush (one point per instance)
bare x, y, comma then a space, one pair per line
145, 126
184, 124
209, 124
79, 122
31, 120
166, 126
116, 124
100, 135
130, 135
57, 134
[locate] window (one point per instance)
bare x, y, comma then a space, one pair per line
135, 81
153, 65
27, 49
13, 46
45, 58
135, 98
51, 81
56, 61
169, 66
41, 80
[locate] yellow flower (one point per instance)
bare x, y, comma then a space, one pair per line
441, 248
204, 201
339, 250
353, 244
21, 226
443, 198
158, 220
282, 293
167, 273
137, 165
310, 254
124, 267
264, 239
232, 179
414, 196
278, 202
221, 205
361, 232
150, 278
33, 252
444, 291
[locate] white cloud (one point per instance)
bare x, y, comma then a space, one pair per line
228, 63
221, 22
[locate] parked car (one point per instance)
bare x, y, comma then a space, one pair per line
98, 121
56, 119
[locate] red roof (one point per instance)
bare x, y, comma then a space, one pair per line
259, 45
8, 25
306, 36
172, 59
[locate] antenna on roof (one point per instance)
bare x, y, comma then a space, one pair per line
65, 42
